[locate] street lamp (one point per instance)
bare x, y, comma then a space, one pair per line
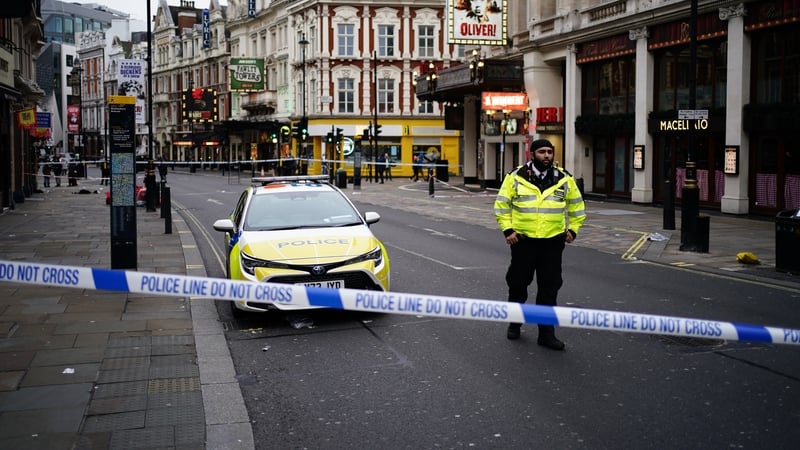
476, 68
304, 121
75, 77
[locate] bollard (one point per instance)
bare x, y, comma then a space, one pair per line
166, 209
669, 206
430, 182
161, 186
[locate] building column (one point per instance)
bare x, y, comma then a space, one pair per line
735, 200
642, 191
576, 159
472, 133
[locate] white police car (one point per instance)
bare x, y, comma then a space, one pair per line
301, 230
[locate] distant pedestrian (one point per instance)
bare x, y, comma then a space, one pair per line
58, 168
162, 168
416, 167
46, 169
105, 174
380, 168
388, 167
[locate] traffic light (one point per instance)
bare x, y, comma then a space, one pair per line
303, 129
366, 136
274, 138
329, 137
339, 134
376, 130
296, 132
285, 133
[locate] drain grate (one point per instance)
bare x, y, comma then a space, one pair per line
173, 385
691, 342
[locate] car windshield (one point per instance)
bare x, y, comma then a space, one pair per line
306, 209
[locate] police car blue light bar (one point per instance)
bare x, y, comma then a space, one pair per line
388, 302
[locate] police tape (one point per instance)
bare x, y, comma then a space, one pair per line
386, 302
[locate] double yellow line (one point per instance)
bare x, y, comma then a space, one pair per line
630, 254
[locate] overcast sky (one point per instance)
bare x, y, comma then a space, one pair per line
138, 8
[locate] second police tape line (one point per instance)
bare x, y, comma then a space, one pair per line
387, 302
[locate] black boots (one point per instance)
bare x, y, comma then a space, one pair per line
547, 338
513, 331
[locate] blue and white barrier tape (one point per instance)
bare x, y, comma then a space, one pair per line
387, 302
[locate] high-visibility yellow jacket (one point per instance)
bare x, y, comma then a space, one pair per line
520, 206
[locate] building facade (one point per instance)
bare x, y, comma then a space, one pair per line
20, 41
631, 95
335, 69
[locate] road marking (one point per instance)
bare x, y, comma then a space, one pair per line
631, 252
214, 249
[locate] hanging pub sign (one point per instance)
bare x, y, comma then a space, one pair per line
206, 29
477, 22
251, 8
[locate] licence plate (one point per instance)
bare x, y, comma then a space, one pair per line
333, 284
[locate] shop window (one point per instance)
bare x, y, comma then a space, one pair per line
673, 72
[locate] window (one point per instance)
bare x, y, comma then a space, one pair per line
673, 70
426, 41
385, 40
346, 93
346, 39
78, 24
425, 107
609, 86
68, 26
386, 96
776, 77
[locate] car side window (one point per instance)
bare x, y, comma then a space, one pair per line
237, 213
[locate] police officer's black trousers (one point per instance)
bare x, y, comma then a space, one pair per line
539, 257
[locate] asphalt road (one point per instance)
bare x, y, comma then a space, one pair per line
369, 380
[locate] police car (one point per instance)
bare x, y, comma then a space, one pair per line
301, 230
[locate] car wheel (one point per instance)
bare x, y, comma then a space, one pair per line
238, 313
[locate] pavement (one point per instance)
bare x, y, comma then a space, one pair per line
84, 369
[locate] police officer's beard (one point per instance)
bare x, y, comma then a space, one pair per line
540, 166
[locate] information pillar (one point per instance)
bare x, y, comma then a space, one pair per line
122, 122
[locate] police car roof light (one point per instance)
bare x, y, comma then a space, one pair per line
301, 178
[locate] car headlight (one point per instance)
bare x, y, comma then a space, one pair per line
249, 264
373, 255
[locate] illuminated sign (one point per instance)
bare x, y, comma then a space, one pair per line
506, 101
199, 105
477, 22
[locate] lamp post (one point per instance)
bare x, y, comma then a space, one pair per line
75, 79
192, 149
304, 121
476, 65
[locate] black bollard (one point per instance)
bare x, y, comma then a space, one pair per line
669, 206
162, 187
690, 206
430, 182
166, 209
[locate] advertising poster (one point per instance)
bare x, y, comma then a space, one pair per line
477, 22
247, 74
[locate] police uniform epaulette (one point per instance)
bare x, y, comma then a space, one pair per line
565, 171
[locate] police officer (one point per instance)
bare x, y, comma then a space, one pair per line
539, 208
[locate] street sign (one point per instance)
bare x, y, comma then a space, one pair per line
691, 114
